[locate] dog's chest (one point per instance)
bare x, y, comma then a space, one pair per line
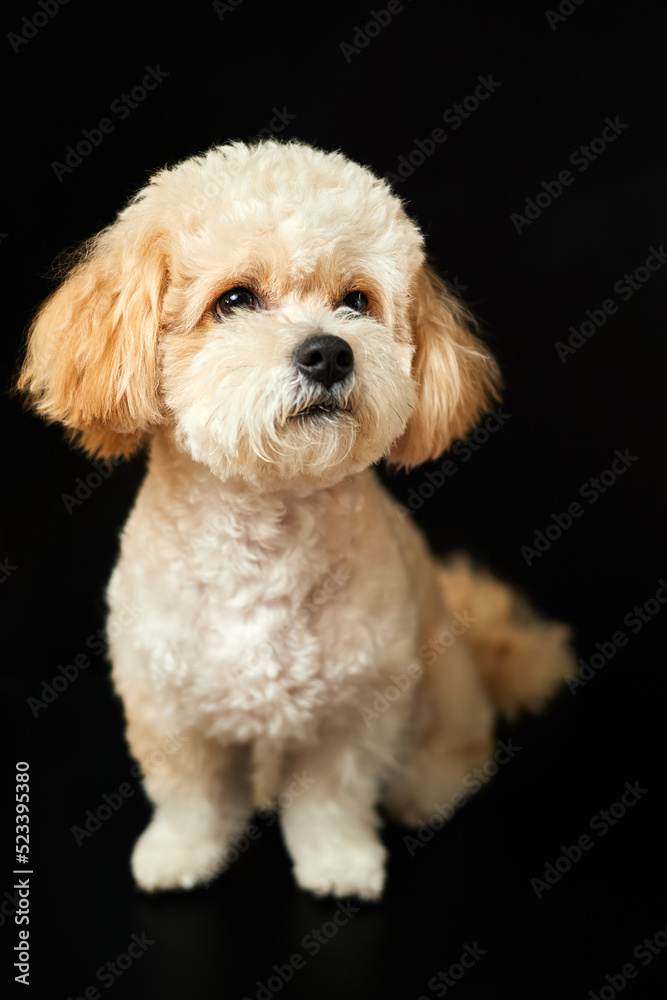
260, 622
270, 650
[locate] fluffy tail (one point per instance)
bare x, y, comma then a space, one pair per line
522, 657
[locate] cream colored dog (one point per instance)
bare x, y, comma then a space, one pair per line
264, 317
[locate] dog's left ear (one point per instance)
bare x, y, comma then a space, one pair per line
457, 377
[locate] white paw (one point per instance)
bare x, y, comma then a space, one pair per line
344, 870
169, 857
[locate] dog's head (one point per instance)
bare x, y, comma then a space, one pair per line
270, 308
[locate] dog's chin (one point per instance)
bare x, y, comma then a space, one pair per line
314, 445
318, 445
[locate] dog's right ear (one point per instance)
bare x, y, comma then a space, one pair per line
91, 352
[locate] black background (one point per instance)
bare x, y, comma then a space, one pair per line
471, 883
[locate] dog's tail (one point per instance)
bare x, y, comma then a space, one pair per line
523, 658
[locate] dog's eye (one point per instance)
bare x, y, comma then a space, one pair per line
357, 301
235, 298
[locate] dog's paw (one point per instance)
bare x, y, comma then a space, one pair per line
168, 857
352, 870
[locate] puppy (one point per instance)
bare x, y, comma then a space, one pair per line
263, 318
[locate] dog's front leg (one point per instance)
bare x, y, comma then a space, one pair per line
329, 821
202, 794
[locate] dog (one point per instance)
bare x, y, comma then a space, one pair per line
264, 319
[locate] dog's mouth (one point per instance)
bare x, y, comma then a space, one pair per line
327, 407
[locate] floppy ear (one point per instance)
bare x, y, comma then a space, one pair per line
457, 377
91, 353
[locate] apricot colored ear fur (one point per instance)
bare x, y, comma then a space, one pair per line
91, 353
458, 378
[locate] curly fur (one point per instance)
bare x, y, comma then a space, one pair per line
279, 589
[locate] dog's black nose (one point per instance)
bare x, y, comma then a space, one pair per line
324, 358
